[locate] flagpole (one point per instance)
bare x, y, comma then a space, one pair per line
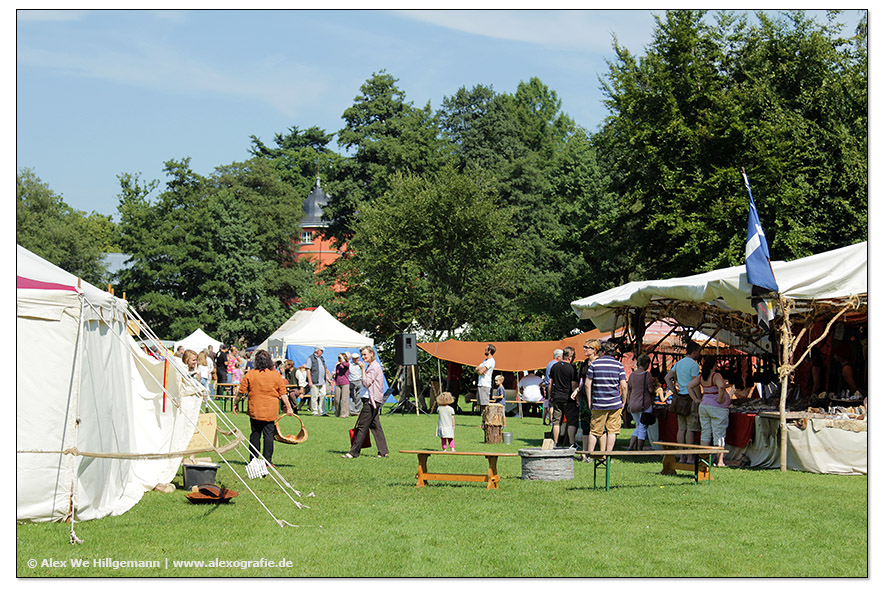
755, 242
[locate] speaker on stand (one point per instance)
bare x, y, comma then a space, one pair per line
405, 354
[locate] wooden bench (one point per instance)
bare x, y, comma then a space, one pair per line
491, 476
670, 464
668, 459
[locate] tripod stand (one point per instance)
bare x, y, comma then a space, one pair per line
403, 405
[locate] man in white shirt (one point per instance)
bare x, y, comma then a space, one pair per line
355, 376
531, 388
485, 370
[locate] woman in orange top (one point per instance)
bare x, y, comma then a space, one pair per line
265, 388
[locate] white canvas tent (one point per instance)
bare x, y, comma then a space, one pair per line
274, 343
89, 402
320, 329
835, 274
198, 341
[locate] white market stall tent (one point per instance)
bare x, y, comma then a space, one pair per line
273, 342
198, 341
837, 274
318, 328
822, 287
90, 403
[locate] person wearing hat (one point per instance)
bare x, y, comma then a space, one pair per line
355, 376
318, 376
445, 427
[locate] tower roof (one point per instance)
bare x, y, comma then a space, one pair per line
313, 207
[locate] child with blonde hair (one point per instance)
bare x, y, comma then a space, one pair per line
500, 396
445, 427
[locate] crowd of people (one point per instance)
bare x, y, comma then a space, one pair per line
353, 387
593, 393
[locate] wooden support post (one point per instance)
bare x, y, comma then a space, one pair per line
784, 375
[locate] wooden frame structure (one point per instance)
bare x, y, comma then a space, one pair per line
713, 319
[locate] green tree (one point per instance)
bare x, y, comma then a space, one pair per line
786, 99
516, 141
212, 252
299, 156
433, 253
384, 135
50, 228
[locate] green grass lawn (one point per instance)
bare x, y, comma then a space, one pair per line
367, 518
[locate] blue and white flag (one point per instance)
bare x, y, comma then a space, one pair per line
759, 272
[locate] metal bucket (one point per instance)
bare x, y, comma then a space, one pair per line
508, 437
547, 465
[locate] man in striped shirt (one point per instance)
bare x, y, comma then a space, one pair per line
606, 393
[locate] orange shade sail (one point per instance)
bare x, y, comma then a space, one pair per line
510, 356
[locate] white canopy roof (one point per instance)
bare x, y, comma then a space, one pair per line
321, 329
198, 341
836, 274
284, 328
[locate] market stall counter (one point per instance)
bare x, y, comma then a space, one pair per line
817, 441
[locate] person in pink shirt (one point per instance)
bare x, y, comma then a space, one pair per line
341, 399
373, 380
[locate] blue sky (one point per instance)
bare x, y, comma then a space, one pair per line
100, 93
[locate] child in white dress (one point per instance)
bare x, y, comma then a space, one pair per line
445, 427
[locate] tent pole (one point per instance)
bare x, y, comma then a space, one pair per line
784, 374
415, 391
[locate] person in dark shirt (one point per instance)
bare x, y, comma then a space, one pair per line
221, 364
561, 388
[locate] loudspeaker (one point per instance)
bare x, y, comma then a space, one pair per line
405, 349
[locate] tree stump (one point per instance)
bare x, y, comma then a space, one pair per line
492, 423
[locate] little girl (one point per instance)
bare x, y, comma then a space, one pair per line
445, 428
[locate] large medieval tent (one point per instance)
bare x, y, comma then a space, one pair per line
816, 293
89, 402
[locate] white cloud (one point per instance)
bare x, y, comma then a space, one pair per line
586, 30
152, 66
49, 15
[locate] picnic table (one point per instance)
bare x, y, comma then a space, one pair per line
702, 468
226, 393
491, 476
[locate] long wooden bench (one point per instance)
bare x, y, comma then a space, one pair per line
491, 476
670, 464
702, 468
